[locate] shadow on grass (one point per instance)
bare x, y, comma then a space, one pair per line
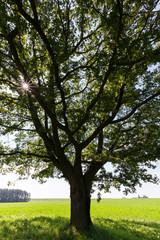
123, 229
46, 228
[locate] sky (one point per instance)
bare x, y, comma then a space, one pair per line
58, 188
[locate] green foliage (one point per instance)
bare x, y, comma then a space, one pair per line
93, 94
113, 219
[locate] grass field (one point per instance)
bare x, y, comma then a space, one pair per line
116, 219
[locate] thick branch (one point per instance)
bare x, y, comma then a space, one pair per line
120, 9
100, 143
92, 171
32, 2
95, 166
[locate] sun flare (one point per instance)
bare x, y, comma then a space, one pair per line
25, 86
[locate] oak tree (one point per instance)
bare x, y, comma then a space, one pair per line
80, 89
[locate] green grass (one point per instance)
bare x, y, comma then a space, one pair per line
123, 219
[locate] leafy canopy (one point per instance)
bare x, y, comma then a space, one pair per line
79, 88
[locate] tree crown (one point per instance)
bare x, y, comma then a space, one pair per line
80, 88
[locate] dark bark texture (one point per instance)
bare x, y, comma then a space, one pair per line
80, 207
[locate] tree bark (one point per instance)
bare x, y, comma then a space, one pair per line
80, 207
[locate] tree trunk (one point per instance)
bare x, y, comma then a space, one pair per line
80, 207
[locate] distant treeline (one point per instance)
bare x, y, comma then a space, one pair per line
14, 195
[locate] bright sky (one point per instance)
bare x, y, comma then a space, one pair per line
58, 188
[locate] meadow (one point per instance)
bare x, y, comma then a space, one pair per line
113, 219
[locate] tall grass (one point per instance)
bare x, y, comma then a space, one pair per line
125, 219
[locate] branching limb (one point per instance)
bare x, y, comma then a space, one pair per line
108, 72
136, 124
13, 49
95, 166
137, 107
38, 125
67, 130
36, 24
65, 28
77, 93
86, 66
33, 6
33, 89
107, 121
94, 100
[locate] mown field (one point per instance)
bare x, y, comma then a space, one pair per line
116, 219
